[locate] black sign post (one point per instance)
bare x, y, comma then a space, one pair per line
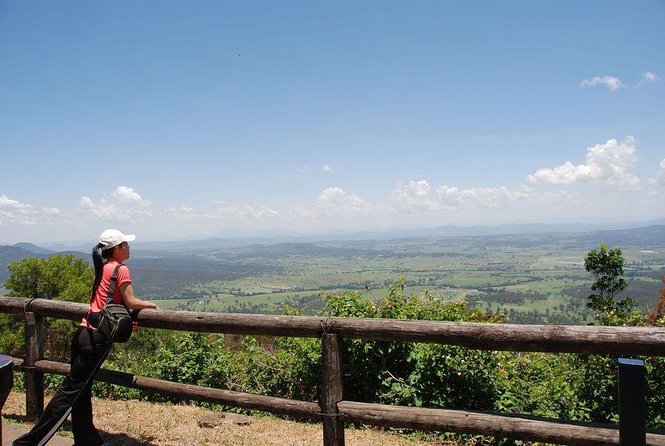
6, 383
632, 402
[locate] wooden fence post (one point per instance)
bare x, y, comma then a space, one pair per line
34, 379
632, 402
6, 383
331, 389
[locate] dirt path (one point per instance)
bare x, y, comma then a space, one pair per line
138, 423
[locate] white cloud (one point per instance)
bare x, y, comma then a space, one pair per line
647, 78
15, 213
123, 204
612, 83
335, 202
608, 163
327, 168
489, 197
102, 211
414, 196
246, 211
182, 209
304, 169
659, 179
126, 194
7, 204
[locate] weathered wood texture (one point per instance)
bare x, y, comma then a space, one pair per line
331, 389
545, 338
279, 406
566, 339
520, 428
648, 341
34, 378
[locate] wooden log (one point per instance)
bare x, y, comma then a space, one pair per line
529, 429
502, 426
279, 406
12, 305
331, 390
511, 337
34, 378
648, 341
6, 383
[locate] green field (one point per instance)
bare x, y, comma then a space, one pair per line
517, 276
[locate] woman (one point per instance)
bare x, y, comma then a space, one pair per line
89, 347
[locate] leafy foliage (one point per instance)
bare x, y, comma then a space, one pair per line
410, 373
606, 265
657, 315
60, 277
566, 386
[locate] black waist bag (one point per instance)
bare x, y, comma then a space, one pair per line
113, 321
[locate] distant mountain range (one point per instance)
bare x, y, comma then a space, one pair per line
441, 231
158, 256
31, 247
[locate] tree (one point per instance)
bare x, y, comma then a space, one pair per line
606, 265
657, 315
61, 277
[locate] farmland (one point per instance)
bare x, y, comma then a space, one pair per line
530, 278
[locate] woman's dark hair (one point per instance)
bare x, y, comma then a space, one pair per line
99, 258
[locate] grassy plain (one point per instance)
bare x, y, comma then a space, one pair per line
522, 276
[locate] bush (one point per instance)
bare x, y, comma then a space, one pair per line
409, 373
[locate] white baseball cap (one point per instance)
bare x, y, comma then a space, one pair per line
113, 237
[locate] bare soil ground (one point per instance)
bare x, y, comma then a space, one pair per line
139, 423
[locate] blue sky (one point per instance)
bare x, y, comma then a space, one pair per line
194, 119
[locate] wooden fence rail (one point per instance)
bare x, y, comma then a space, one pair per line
333, 410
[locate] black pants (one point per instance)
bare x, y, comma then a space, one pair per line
88, 348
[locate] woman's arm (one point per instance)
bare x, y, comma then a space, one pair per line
131, 301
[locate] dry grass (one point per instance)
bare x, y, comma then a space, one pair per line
138, 423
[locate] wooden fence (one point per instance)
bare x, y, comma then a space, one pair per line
332, 409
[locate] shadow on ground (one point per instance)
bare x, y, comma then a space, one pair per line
66, 429
125, 440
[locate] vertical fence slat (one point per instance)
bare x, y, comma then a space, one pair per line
6, 383
632, 402
34, 379
331, 389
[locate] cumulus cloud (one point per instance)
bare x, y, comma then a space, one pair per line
489, 197
13, 211
647, 78
414, 196
608, 163
123, 204
245, 211
223, 212
417, 197
659, 179
182, 209
327, 168
16, 213
102, 210
7, 204
127, 195
612, 83
335, 202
